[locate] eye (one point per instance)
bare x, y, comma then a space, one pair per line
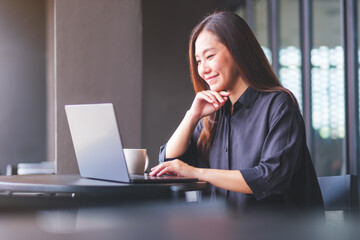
198, 62
210, 56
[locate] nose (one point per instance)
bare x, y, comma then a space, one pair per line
203, 69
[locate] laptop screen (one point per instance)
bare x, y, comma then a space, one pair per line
97, 142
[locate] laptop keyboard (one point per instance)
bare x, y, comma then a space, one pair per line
138, 176
146, 178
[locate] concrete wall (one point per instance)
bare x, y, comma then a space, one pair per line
167, 89
22, 82
97, 59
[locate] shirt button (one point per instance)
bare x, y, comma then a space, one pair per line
226, 149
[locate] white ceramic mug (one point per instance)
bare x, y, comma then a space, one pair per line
137, 160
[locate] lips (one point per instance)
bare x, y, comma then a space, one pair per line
210, 78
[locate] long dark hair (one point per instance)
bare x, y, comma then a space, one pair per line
233, 32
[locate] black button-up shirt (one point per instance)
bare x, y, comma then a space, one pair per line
265, 140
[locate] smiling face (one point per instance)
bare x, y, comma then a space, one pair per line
215, 64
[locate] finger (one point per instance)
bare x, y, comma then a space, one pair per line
212, 97
211, 94
220, 100
204, 96
156, 169
163, 171
224, 93
218, 96
154, 172
218, 106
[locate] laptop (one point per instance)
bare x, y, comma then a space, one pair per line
98, 147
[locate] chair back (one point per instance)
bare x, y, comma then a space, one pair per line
339, 192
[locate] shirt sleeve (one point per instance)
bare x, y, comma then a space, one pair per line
191, 155
280, 152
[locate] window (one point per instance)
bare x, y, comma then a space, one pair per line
289, 48
327, 88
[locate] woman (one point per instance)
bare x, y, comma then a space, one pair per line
243, 133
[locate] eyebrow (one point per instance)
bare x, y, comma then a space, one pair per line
206, 50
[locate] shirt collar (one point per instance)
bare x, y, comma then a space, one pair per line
248, 97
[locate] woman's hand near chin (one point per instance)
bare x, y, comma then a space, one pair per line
207, 102
204, 104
